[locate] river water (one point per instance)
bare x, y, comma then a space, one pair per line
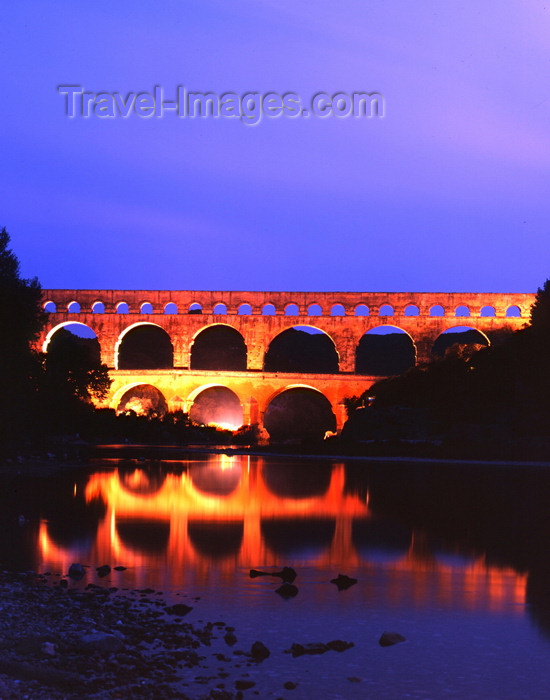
454, 557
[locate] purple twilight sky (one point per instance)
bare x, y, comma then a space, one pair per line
449, 191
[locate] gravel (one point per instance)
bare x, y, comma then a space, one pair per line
58, 641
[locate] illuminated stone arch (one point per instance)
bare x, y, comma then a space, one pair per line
245, 309
487, 311
195, 308
216, 478
143, 482
286, 409
411, 310
441, 344
269, 309
171, 309
315, 310
221, 406
228, 355
132, 395
161, 358
215, 540
313, 351
437, 310
462, 311
220, 309
385, 350
292, 309
122, 307
58, 327
50, 307
513, 312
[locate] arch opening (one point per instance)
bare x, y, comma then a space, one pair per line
219, 476
314, 310
219, 347
98, 307
362, 310
146, 308
302, 349
244, 310
269, 310
338, 310
459, 335
217, 406
171, 308
143, 400
195, 308
298, 537
462, 310
437, 310
220, 310
216, 540
122, 308
145, 346
73, 356
513, 312
50, 307
144, 536
385, 351
412, 310
299, 414
292, 310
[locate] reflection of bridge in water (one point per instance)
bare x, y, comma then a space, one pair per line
212, 521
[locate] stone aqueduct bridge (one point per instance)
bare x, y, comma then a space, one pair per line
259, 317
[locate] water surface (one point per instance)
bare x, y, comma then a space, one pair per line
453, 557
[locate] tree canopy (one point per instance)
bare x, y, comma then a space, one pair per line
38, 396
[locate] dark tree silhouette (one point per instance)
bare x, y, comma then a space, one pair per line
74, 368
540, 311
21, 320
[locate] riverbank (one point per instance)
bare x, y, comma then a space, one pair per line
34, 466
60, 641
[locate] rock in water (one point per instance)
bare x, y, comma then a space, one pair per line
287, 574
230, 638
103, 570
259, 651
287, 590
339, 645
254, 573
388, 639
102, 642
343, 582
77, 572
179, 609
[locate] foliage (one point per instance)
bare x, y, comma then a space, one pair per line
21, 320
501, 390
540, 311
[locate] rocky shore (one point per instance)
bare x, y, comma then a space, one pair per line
59, 641
62, 639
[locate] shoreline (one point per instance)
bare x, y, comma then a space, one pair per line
61, 640
33, 466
